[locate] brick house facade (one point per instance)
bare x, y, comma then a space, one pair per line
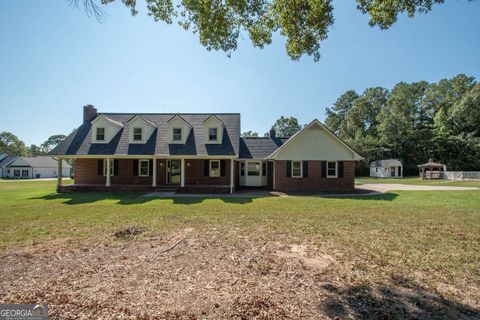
201, 153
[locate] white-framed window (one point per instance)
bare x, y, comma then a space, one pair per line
112, 163
253, 168
242, 169
137, 134
100, 134
212, 134
264, 169
297, 169
332, 169
214, 168
25, 173
143, 168
177, 134
16, 173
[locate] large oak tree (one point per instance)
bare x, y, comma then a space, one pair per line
304, 23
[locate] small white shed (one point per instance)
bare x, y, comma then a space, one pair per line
390, 168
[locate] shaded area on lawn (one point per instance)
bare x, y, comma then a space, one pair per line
75, 198
404, 300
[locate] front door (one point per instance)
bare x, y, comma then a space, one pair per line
174, 168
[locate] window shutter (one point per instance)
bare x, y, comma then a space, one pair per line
135, 167
100, 167
150, 167
324, 169
222, 168
305, 169
115, 167
340, 169
206, 168
289, 169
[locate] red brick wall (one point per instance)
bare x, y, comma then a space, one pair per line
86, 172
195, 173
314, 182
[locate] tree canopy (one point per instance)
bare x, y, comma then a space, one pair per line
250, 133
11, 145
286, 126
52, 142
413, 122
304, 23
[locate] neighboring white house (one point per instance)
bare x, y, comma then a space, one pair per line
390, 168
28, 167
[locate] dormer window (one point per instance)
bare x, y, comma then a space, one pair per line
212, 134
213, 130
100, 134
137, 134
177, 134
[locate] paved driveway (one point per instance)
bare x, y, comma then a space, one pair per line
380, 187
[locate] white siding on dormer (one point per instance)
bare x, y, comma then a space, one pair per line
110, 129
214, 122
147, 130
178, 122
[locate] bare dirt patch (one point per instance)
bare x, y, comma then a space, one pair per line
194, 274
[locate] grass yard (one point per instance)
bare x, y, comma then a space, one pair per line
418, 181
407, 254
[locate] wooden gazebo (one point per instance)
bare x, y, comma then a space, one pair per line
432, 170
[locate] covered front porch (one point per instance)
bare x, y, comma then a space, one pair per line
147, 174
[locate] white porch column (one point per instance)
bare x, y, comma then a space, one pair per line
273, 178
108, 184
59, 172
154, 173
232, 166
182, 172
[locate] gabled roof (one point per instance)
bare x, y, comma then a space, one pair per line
148, 122
308, 126
179, 117
386, 163
213, 117
80, 141
111, 121
7, 160
37, 162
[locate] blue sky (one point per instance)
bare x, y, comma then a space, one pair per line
54, 60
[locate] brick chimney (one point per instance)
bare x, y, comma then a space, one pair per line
272, 133
89, 113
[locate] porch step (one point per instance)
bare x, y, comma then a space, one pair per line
166, 189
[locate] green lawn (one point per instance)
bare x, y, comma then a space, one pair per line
433, 234
418, 181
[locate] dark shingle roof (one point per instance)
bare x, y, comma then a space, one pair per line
259, 148
80, 141
7, 160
